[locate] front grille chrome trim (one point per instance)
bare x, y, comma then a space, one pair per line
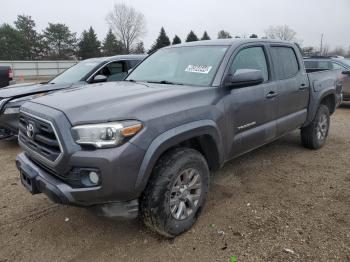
38, 156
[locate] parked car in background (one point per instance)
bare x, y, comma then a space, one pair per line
316, 63
146, 145
95, 70
6, 76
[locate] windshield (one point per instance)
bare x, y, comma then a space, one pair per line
347, 61
75, 73
193, 65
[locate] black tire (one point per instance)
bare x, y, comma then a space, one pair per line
310, 135
155, 201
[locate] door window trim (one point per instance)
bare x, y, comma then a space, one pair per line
296, 57
104, 65
246, 46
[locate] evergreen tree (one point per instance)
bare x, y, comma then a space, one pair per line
176, 40
89, 46
11, 43
139, 49
253, 36
205, 36
224, 34
60, 41
162, 41
31, 39
191, 37
111, 46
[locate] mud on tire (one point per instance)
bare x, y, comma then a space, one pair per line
314, 135
163, 189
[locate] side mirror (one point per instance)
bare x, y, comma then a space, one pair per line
99, 79
346, 72
245, 77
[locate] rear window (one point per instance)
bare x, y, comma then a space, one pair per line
285, 62
317, 64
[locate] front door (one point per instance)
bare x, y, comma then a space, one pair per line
251, 110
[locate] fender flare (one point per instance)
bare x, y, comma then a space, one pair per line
171, 138
314, 106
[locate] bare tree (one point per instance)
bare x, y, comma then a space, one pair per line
308, 51
127, 24
224, 34
325, 50
282, 32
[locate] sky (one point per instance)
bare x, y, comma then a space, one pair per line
309, 18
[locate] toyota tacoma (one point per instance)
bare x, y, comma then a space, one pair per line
146, 146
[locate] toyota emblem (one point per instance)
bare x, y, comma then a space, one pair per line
30, 131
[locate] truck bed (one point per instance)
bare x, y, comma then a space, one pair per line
323, 82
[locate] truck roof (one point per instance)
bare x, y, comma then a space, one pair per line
230, 42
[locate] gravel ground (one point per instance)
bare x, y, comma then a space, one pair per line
279, 203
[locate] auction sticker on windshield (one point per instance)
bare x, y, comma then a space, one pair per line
201, 69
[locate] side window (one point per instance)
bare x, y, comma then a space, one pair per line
251, 58
133, 63
324, 65
285, 62
337, 66
115, 71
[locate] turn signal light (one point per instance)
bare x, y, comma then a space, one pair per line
131, 130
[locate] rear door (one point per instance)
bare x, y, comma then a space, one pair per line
251, 110
292, 87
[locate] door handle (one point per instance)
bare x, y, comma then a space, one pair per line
302, 87
271, 94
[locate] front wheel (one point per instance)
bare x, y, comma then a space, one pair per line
176, 192
314, 135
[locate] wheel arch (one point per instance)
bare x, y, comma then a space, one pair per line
202, 135
327, 98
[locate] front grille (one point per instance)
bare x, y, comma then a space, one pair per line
39, 136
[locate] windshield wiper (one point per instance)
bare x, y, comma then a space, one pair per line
165, 82
130, 80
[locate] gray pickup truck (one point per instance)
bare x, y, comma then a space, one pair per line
145, 146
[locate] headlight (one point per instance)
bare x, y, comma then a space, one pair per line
26, 98
13, 105
105, 135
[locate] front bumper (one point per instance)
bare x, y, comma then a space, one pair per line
36, 180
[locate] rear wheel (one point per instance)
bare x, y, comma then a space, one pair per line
176, 192
314, 135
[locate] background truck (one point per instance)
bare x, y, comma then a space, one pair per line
94, 70
6, 76
146, 146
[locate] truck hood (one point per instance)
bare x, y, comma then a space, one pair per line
123, 100
25, 90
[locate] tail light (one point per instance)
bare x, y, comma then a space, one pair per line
10, 74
